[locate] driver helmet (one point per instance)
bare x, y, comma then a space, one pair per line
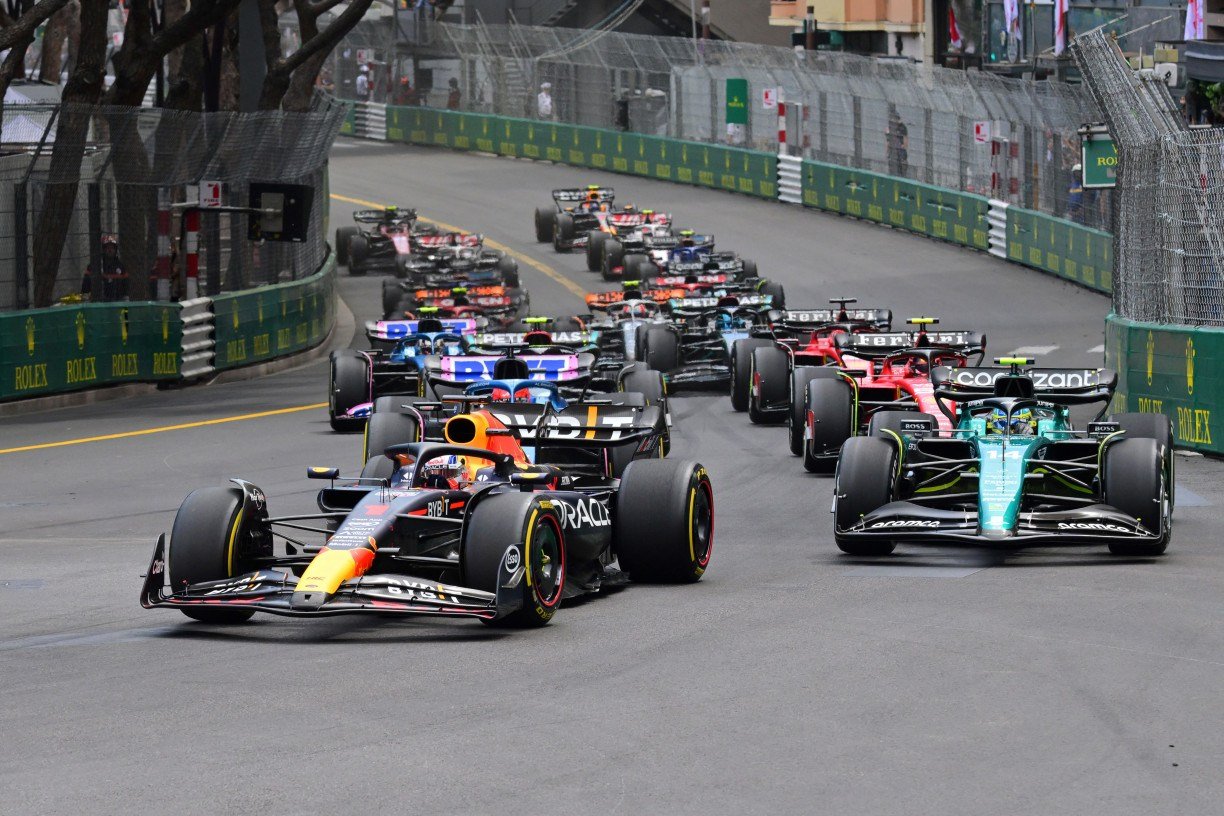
390, 213
443, 472
686, 238
629, 208
522, 393
1023, 422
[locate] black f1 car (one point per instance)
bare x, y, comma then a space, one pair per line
468, 528
378, 240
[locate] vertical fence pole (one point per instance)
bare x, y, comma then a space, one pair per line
191, 253
162, 267
21, 247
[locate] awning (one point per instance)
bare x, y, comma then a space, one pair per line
1205, 61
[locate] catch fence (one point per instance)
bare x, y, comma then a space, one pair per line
140, 169
882, 115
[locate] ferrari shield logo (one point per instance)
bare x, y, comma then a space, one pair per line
1189, 365
30, 335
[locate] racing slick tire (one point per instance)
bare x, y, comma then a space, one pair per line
651, 386
544, 224
358, 251
1152, 426
594, 249
392, 297
207, 527
509, 269
741, 370
664, 525
638, 267
661, 349
776, 290
376, 467
770, 379
800, 377
864, 482
388, 426
750, 269
886, 423
830, 402
563, 231
613, 256
344, 235
350, 385
516, 526
1133, 477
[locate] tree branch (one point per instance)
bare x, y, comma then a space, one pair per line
328, 38
29, 22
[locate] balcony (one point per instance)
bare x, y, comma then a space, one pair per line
850, 15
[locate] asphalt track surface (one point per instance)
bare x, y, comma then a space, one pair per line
792, 679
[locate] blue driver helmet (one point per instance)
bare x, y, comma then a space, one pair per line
1023, 422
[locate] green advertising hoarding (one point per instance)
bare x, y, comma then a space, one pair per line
1098, 157
737, 101
67, 348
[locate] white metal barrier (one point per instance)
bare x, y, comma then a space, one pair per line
370, 120
790, 179
199, 338
996, 216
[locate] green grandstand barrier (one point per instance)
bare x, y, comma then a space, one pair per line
273, 321
1177, 371
1063, 248
67, 348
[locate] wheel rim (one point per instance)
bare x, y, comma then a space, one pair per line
701, 523
547, 554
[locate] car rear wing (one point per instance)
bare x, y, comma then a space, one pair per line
815, 318
705, 304
576, 194
516, 340
1065, 386
881, 344
377, 216
392, 330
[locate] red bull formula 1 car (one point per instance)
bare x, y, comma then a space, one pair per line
472, 528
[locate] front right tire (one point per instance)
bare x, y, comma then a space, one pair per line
204, 544
866, 473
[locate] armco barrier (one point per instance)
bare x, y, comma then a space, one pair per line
1176, 371
67, 348
272, 321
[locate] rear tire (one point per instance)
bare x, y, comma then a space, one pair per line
1134, 482
544, 224
864, 483
392, 297
661, 349
775, 289
359, 250
594, 249
509, 269
343, 236
830, 401
516, 520
750, 269
563, 231
800, 378
207, 529
1153, 426
638, 267
613, 256
664, 524
388, 426
350, 385
770, 379
741, 370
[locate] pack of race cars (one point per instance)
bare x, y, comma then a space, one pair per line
512, 460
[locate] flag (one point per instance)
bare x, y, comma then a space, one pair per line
954, 35
1060, 25
1195, 28
1011, 17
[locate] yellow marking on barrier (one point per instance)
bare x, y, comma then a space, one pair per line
545, 269
166, 428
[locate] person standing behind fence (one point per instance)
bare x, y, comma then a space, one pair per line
453, 98
114, 280
544, 102
897, 135
362, 86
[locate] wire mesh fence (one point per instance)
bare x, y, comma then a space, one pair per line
1169, 235
882, 115
139, 170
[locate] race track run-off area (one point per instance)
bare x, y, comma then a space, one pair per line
791, 679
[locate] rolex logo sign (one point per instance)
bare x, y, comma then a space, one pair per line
1189, 365
1151, 354
29, 327
123, 325
80, 327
